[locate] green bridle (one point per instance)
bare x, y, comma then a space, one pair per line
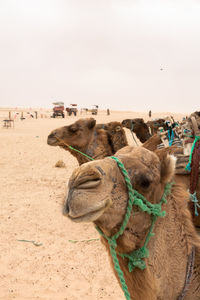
136, 257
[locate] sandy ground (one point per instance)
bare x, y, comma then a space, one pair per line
32, 194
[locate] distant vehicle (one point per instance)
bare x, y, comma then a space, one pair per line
72, 109
58, 110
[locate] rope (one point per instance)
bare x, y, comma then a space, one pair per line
193, 198
186, 131
135, 257
72, 148
188, 167
194, 176
170, 136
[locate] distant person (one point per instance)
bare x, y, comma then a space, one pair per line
150, 114
108, 111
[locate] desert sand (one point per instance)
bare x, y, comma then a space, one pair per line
37, 256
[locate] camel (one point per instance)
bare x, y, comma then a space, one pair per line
116, 135
154, 125
96, 141
139, 127
98, 193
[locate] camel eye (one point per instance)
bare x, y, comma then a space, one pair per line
73, 128
143, 181
118, 128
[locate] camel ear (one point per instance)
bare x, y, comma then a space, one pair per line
168, 165
91, 123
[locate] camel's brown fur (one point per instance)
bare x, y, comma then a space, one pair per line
152, 142
97, 141
98, 193
116, 135
139, 127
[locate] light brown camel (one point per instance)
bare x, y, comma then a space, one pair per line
97, 141
139, 127
98, 193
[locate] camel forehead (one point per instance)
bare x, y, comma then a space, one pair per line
82, 121
142, 154
113, 124
101, 166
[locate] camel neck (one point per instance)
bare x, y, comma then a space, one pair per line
165, 274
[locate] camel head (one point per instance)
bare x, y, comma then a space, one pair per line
139, 127
116, 135
77, 134
98, 193
155, 124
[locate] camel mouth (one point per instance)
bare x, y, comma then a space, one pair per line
88, 217
52, 141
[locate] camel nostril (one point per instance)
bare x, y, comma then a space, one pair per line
52, 135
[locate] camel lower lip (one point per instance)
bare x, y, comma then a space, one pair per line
91, 216
52, 142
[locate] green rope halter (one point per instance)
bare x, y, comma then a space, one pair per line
135, 257
72, 148
188, 167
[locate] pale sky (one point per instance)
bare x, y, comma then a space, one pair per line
120, 54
